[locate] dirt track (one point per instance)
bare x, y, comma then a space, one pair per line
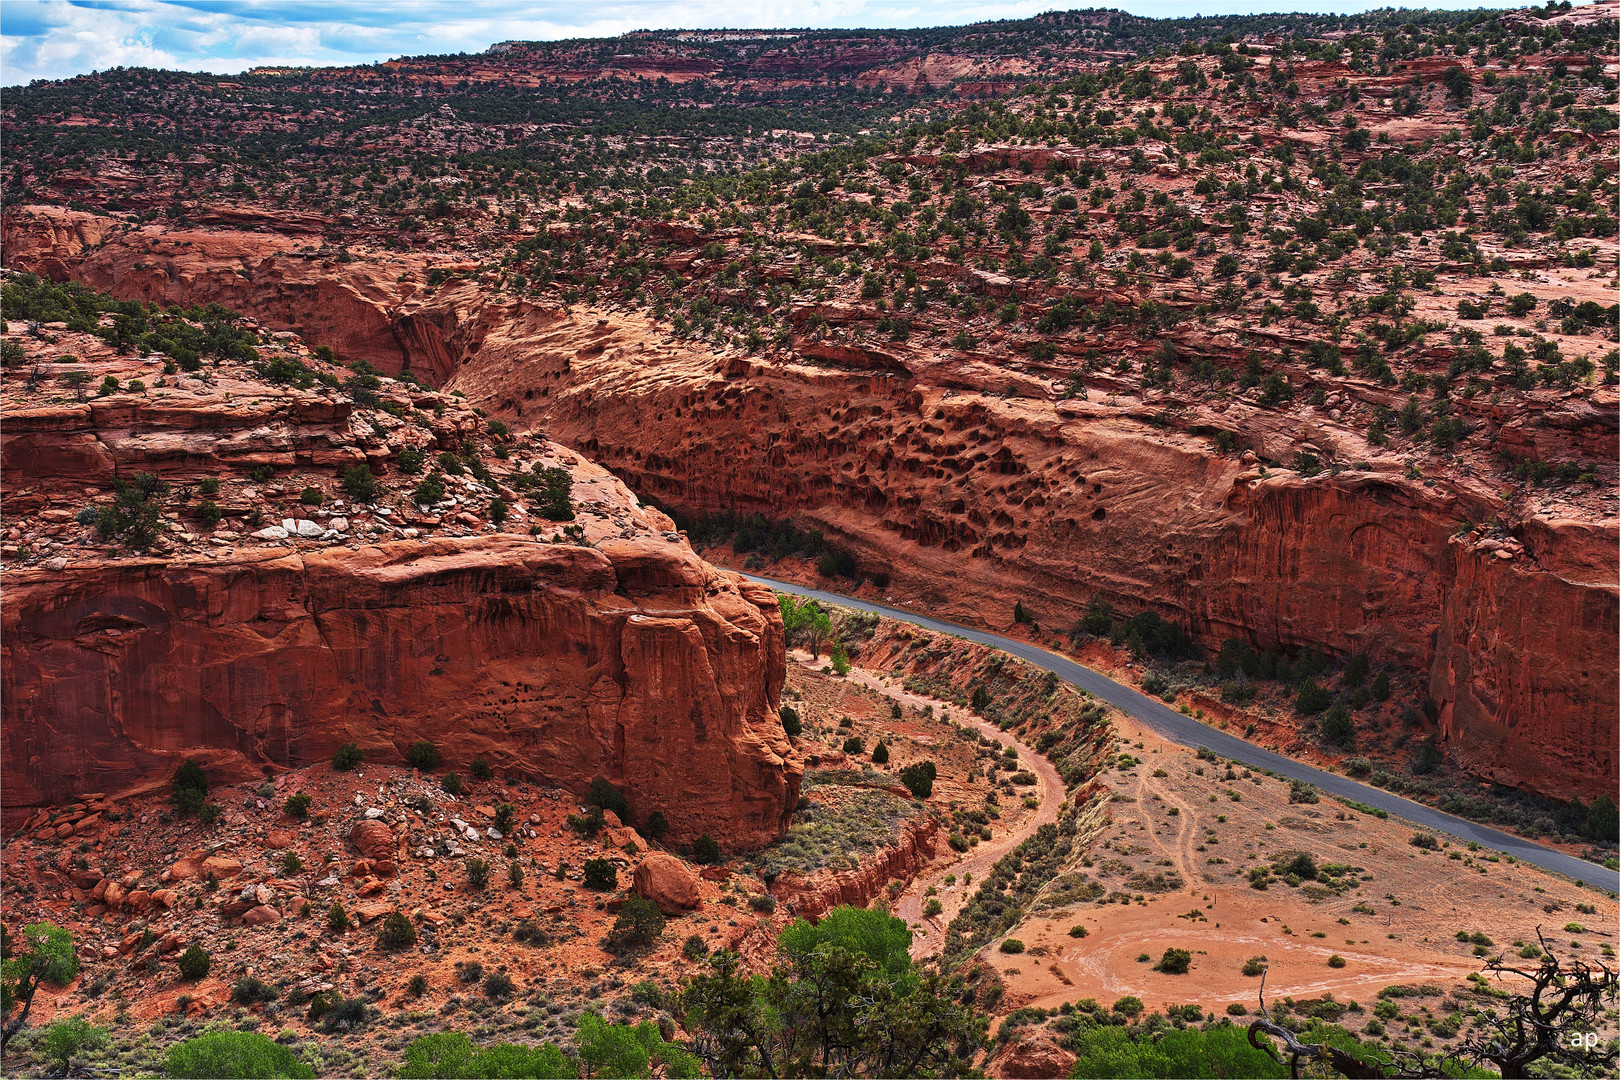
929, 931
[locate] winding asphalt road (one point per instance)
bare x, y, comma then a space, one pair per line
1186, 731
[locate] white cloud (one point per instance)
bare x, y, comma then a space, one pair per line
53, 39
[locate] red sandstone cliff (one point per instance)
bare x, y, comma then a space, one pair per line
614, 652
636, 662
812, 897
971, 499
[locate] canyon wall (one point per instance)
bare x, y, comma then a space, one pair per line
971, 500
635, 662
967, 480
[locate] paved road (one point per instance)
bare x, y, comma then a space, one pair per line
1186, 731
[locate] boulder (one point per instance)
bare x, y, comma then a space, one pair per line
623, 838
374, 839
263, 915
221, 866
370, 912
668, 882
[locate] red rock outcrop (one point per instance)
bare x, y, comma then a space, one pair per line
361, 309
1032, 1056
813, 896
970, 500
636, 662
612, 652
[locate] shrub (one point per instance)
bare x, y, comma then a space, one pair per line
1336, 961
933, 907
1217, 1050
480, 769
1011, 945
396, 933
1129, 1005
609, 797
790, 721
291, 864
311, 496
66, 1039
337, 920
233, 1054
343, 1014
251, 991
764, 902
1380, 687
422, 756
347, 757
359, 484
1337, 727
695, 948
638, 925
854, 744
706, 849
1311, 699
656, 825
1302, 866
621, 1050
297, 806
498, 986
429, 491
190, 786
880, 753
504, 813
600, 875
477, 873
1427, 841
1602, 824
1174, 962
498, 511
195, 962
839, 658
919, 778
1077, 931
1254, 965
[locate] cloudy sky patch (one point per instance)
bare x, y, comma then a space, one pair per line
56, 39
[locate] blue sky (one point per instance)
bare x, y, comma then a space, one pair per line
53, 39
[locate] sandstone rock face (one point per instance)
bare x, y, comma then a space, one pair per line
916, 462
635, 661
812, 897
362, 313
667, 882
971, 501
1034, 1057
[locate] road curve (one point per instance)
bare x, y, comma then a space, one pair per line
1186, 731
